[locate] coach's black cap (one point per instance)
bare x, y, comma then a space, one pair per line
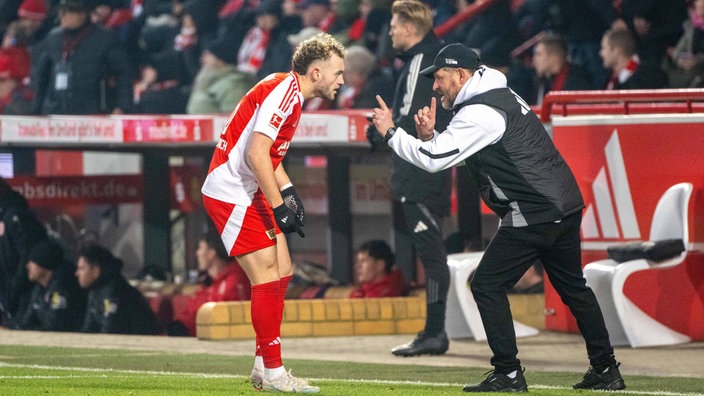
453, 55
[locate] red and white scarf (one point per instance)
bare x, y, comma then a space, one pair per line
626, 73
253, 50
186, 39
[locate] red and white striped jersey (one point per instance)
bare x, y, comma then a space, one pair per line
272, 107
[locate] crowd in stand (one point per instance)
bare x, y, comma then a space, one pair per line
200, 57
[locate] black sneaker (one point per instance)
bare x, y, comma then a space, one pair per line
610, 379
497, 382
424, 345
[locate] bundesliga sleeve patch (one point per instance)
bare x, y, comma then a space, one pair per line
276, 121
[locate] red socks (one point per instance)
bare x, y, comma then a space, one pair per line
266, 320
283, 285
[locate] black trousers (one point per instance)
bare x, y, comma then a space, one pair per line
424, 228
508, 256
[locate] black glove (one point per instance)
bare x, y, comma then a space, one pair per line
293, 201
286, 220
373, 137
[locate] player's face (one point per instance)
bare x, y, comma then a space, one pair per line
329, 77
204, 255
447, 83
367, 268
399, 31
85, 273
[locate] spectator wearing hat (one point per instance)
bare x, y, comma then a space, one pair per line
57, 302
218, 86
32, 17
15, 96
114, 306
33, 12
265, 48
83, 68
23, 37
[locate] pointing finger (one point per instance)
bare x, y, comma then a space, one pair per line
382, 104
433, 105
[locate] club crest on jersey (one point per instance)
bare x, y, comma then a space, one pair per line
276, 121
109, 307
271, 234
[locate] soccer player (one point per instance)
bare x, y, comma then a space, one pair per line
251, 199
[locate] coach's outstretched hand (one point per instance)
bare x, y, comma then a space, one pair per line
381, 117
286, 220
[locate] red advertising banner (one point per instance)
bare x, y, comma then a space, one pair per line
57, 191
167, 129
623, 165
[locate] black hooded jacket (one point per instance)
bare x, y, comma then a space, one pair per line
19, 231
413, 91
114, 306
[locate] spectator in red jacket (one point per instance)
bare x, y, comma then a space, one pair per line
225, 281
374, 272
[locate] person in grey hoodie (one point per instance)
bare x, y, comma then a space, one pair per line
526, 182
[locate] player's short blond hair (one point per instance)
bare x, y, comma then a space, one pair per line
319, 47
416, 13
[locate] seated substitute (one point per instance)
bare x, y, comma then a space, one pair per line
374, 272
225, 281
57, 303
113, 305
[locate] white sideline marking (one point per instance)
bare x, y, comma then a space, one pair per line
237, 376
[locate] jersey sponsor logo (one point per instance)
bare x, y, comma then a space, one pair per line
276, 121
612, 214
283, 148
